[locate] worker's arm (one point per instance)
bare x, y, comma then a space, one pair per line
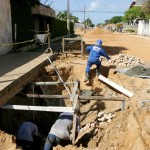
88, 48
104, 53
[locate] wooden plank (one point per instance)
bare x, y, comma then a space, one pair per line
50, 83
80, 97
67, 89
101, 98
116, 86
38, 108
48, 96
73, 39
73, 52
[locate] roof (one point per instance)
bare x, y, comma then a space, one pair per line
139, 2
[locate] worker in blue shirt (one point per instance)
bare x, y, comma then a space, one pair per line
95, 52
26, 134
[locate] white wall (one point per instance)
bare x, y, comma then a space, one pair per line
5, 26
144, 28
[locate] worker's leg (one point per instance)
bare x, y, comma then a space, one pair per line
87, 71
98, 66
51, 141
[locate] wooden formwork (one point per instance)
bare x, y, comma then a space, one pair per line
73, 46
74, 98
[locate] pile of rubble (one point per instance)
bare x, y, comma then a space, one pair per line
125, 60
101, 122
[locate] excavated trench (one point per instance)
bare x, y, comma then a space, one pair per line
96, 116
11, 119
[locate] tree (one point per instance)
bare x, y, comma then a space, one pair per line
89, 23
146, 9
135, 12
63, 16
115, 19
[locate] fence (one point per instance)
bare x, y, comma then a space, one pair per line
144, 28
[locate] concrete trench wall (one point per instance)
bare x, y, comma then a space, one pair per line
5, 26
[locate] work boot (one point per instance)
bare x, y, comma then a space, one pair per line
86, 77
97, 72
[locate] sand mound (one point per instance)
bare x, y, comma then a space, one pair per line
99, 31
7, 142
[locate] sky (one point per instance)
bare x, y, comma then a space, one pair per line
105, 9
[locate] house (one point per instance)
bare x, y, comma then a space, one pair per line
137, 3
5, 26
20, 20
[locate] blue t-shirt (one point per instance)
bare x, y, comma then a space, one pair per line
95, 52
26, 131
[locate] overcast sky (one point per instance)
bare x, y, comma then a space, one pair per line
106, 9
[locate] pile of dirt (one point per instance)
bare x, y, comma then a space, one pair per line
98, 30
138, 71
7, 141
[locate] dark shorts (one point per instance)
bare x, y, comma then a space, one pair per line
26, 145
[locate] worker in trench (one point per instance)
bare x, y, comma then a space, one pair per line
96, 52
27, 135
61, 130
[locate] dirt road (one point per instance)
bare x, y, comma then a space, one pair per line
116, 43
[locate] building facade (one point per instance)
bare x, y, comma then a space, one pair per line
5, 26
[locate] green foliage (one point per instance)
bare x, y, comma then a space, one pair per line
89, 23
146, 9
59, 28
134, 13
115, 19
130, 30
63, 16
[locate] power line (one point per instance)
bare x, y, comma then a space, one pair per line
95, 11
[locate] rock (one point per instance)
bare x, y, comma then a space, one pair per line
100, 114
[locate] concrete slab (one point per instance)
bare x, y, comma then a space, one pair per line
17, 70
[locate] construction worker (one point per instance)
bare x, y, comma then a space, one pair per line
95, 53
25, 135
61, 130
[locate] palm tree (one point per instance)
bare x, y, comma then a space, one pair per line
63, 16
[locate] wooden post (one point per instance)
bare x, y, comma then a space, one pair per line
74, 128
75, 90
81, 47
15, 47
48, 32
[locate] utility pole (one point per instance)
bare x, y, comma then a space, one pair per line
84, 21
68, 17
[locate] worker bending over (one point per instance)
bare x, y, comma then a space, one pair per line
61, 130
95, 52
26, 134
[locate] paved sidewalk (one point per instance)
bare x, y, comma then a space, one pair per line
17, 70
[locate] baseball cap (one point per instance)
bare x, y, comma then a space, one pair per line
99, 42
